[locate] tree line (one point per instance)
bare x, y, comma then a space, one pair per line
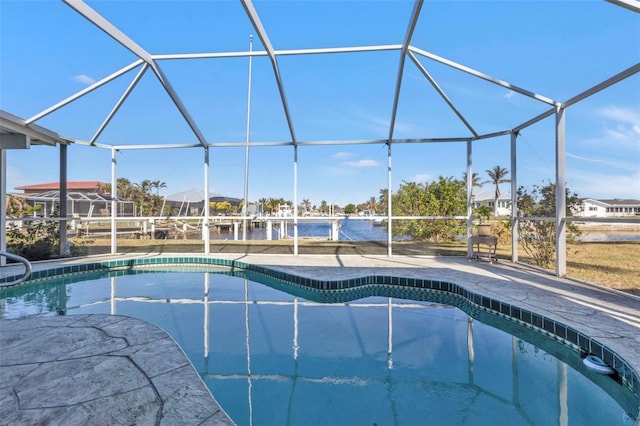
145, 195
444, 197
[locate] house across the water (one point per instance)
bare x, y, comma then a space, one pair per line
84, 198
609, 207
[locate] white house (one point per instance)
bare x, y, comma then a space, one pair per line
486, 197
609, 208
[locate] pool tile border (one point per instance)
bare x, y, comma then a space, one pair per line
340, 290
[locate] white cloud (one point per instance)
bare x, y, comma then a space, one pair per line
622, 126
578, 157
378, 125
360, 163
342, 155
628, 163
509, 94
623, 115
591, 185
84, 79
420, 178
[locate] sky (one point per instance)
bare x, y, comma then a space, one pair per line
556, 49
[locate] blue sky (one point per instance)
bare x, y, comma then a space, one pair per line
556, 49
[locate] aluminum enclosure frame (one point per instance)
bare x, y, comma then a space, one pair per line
147, 60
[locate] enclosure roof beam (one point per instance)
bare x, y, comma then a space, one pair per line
111, 30
99, 21
441, 92
95, 144
264, 38
486, 77
119, 103
417, 6
603, 85
534, 120
306, 143
287, 52
178, 103
289, 143
493, 135
632, 5
155, 146
84, 91
634, 69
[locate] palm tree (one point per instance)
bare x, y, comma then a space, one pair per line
497, 175
157, 185
307, 204
373, 204
103, 188
475, 180
262, 202
383, 200
126, 190
274, 203
15, 206
145, 186
323, 206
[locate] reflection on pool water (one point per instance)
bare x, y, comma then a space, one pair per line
273, 358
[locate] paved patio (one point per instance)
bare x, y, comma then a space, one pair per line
98, 369
611, 317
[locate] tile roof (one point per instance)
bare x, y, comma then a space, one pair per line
89, 184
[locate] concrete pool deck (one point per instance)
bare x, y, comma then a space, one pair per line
611, 317
98, 369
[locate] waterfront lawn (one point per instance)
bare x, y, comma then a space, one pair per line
612, 264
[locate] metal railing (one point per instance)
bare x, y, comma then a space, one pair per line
25, 262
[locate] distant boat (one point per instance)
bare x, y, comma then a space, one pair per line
378, 221
284, 210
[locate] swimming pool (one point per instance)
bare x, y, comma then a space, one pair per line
371, 356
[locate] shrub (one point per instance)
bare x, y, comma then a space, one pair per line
35, 240
538, 237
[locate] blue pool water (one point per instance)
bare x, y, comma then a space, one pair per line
272, 358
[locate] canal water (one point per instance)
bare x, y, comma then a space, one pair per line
350, 230
366, 230
592, 237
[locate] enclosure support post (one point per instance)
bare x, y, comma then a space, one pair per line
245, 224
112, 299
3, 205
205, 298
62, 249
295, 200
561, 198
206, 235
390, 333
114, 200
514, 199
389, 232
469, 197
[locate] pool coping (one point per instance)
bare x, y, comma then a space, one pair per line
594, 319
